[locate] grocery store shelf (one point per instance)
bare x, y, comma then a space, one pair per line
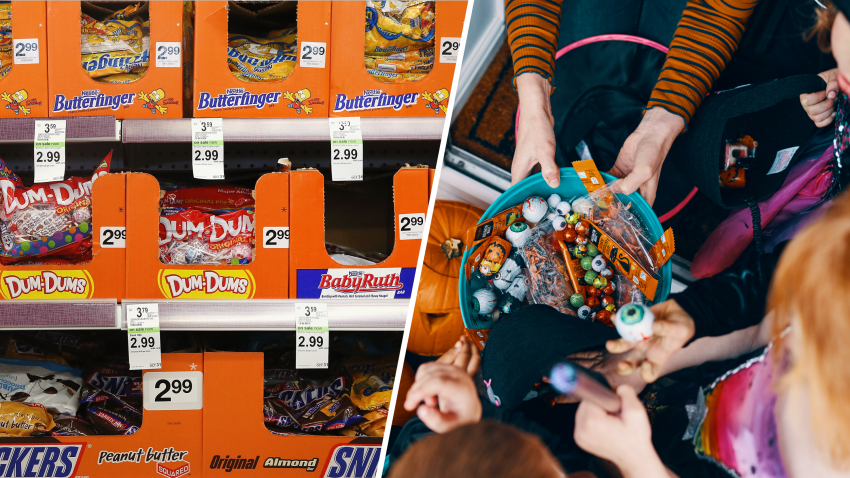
282, 129
354, 314
60, 314
78, 129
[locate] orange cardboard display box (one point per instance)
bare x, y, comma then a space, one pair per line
354, 92
314, 274
236, 439
265, 277
23, 89
157, 94
304, 93
169, 442
102, 278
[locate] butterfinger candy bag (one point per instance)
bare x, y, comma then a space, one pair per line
23, 419
398, 26
373, 379
195, 237
208, 198
47, 218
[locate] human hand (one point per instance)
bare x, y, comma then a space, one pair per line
820, 105
642, 155
624, 439
672, 329
535, 136
447, 396
464, 355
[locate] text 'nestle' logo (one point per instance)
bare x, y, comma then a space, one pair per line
51, 461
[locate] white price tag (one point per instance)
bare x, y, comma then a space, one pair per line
346, 149
449, 47
173, 390
113, 237
311, 335
49, 150
143, 336
411, 226
208, 148
275, 238
313, 54
26, 51
168, 54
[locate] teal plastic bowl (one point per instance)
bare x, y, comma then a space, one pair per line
570, 186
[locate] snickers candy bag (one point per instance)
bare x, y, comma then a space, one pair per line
48, 218
116, 379
71, 426
109, 414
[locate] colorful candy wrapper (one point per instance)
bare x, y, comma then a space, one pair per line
50, 385
120, 78
385, 64
373, 381
104, 64
208, 198
194, 237
24, 419
47, 218
5, 11
259, 66
397, 26
549, 282
277, 41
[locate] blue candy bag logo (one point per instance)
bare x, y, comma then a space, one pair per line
39, 459
237, 98
92, 99
354, 461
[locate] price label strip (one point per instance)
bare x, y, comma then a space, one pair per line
113, 237
346, 149
49, 151
168, 54
311, 335
143, 341
26, 51
173, 390
411, 226
207, 148
275, 238
313, 54
449, 48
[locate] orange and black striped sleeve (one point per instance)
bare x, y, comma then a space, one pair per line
705, 40
533, 35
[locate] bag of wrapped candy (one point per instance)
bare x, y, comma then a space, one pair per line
399, 39
48, 219
117, 48
193, 237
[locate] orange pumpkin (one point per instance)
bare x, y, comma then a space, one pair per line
401, 416
437, 323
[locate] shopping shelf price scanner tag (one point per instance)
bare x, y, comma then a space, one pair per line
143, 341
173, 390
49, 151
411, 226
311, 335
346, 149
208, 148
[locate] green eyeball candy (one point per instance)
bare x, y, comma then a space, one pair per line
576, 300
592, 250
587, 263
590, 277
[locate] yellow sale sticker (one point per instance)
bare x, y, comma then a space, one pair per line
34, 285
206, 284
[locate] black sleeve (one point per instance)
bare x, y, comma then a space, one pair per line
732, 300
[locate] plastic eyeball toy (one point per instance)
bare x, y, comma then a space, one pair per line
606, 273
559, 223
634, 322
518, 234
600, 282
553, 201
598, 263
592, 251
534, 209
562, 208
590, 276
583, 312
483, 301
587, 263
574, 218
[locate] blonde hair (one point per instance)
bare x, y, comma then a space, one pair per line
824, 18
812, 284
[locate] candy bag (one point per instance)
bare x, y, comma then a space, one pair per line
47, 218
548, 278
194, 237
207, 199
